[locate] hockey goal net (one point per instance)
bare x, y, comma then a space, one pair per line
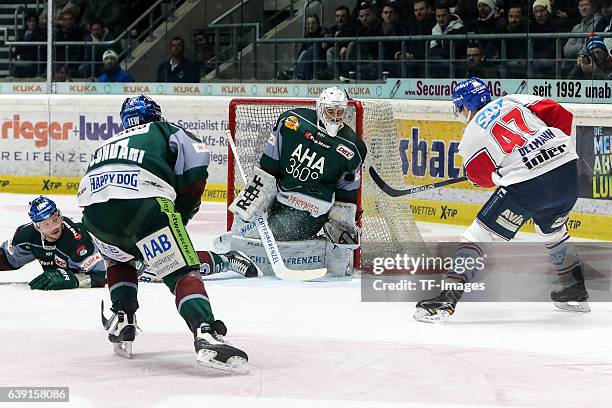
388, 227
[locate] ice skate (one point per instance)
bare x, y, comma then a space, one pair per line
572, 298
240, 263
214, 352
121, 329
438, 309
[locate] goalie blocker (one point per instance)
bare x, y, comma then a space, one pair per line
256, 197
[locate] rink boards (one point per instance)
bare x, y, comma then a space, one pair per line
46, 142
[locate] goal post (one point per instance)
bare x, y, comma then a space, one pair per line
387, 223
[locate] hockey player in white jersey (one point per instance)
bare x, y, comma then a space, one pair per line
524, 145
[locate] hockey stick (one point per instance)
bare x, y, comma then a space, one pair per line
387, 189
268, 241
105, 322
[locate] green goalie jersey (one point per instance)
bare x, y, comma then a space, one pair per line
158, 159
312, 168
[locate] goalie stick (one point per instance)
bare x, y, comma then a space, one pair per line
268, 241
387, 189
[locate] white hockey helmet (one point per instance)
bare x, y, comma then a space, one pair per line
332, 108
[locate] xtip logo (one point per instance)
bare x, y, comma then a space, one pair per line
49, 185
447, 213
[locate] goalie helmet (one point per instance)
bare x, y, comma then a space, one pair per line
332, 109
41, 208
139, 110
472, 94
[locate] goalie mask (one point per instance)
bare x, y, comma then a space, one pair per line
332, 108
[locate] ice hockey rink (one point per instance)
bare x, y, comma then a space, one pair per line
309, 344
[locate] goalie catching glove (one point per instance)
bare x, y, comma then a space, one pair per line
341, 228
256, 197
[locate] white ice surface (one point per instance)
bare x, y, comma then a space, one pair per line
310, 344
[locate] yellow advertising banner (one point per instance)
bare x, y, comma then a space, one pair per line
428, 151
70, 185
591, 226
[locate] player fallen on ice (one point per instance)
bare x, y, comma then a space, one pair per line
140, 190
307, 181
63, 248
524, 145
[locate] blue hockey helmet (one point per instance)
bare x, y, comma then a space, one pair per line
139, 110
472, 94
41, 208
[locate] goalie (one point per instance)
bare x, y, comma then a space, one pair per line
307, 181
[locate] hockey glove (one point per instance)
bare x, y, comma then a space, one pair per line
341, 228
256, 197
55, 279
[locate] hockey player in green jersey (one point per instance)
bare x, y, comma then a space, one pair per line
309, 176
141, 188
63, 248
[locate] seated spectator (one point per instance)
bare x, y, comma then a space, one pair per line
446, 24
467, 10
112, 72
604, 25
476, 64
111, 12
360, 56
596, 63
544, 50
70, 31
490, 21
92, 67
343, 28
309, 51
515, 60
25, 64
178, 68
59, 7
566, 14
62, 73
590, 17
422, 22
391, 50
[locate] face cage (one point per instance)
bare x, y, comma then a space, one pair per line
334, 114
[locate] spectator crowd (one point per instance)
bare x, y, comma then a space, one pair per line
587, 56
96, 24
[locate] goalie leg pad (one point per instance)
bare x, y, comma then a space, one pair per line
256, 197
307, 254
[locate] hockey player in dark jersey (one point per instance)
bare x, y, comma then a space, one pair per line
140, 190
63, 248
525, 146
310, 171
